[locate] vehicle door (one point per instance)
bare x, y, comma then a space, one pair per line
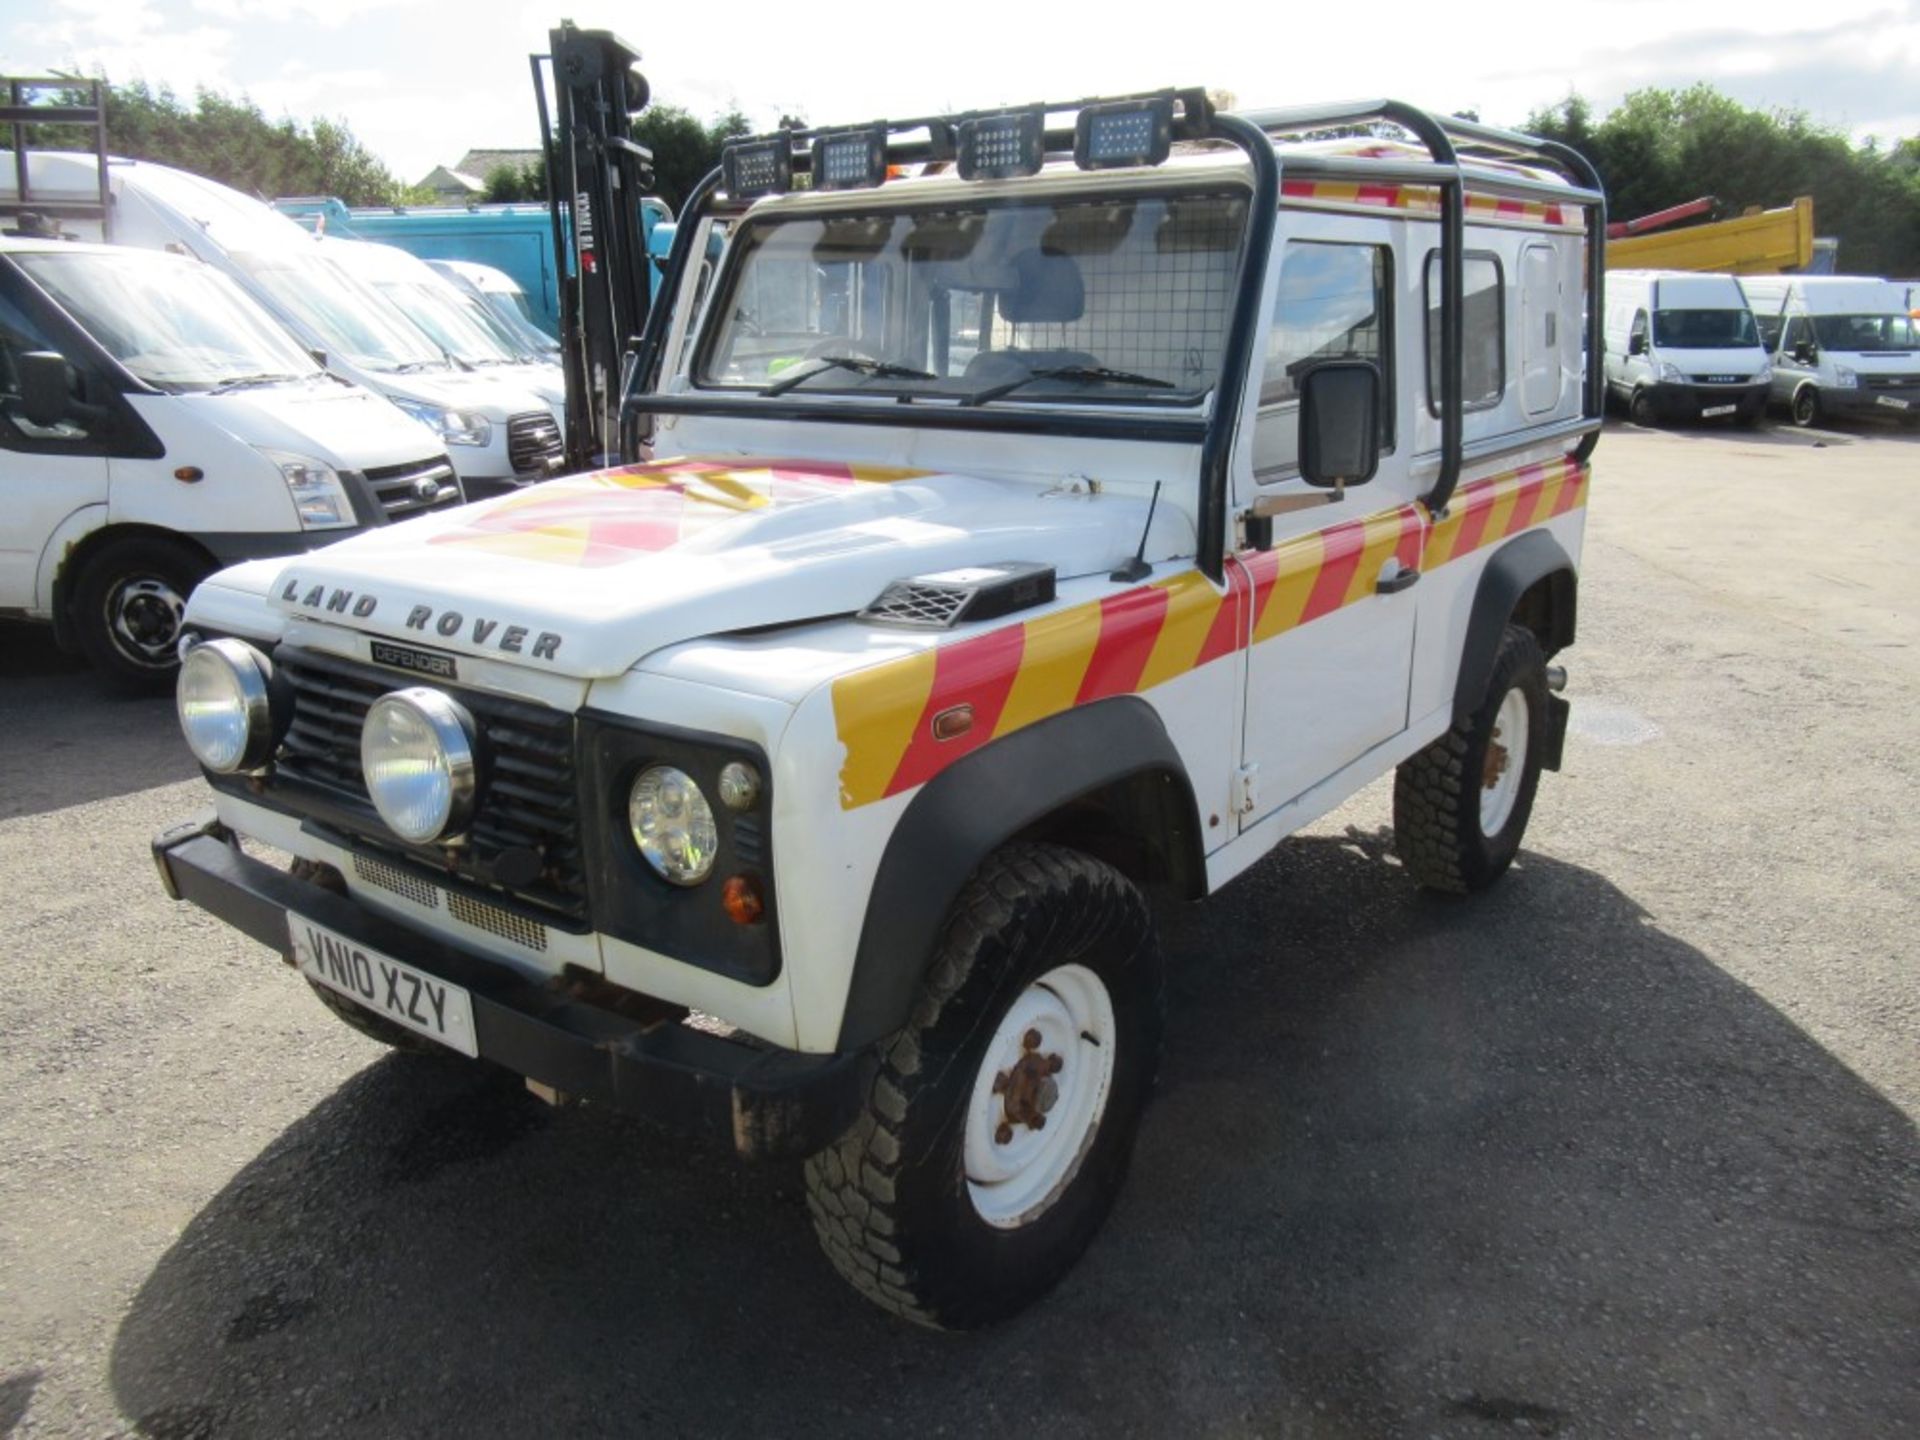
47, 473
1641, 368
1329, 664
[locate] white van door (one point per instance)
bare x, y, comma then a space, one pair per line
1540, 365
46, 474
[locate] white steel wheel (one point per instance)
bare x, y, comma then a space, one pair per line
1506, 762
1039, 1096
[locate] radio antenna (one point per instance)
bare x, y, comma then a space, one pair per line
1137, 568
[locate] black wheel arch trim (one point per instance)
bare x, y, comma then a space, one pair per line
978, 804
1510, 572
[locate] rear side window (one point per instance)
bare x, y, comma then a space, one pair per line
1484, 326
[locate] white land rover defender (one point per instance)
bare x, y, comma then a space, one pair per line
1046, 507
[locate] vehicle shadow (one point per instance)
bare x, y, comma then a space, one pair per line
68, 738
1524, 1162
1777, 431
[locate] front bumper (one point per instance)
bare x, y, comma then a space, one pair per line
1860, 400
1690, 402
765, 1102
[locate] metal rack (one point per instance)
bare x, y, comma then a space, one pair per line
23, 110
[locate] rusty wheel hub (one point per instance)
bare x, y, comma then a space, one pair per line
1496, 762
1027, 1090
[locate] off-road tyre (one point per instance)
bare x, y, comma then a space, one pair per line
1805, 407
129, 584
1437, 828
1642, 411
890, 1200
378, 1027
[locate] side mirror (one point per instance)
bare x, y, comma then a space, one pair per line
47, 383
1804, 353
1340, 423
319, 356
1636, 345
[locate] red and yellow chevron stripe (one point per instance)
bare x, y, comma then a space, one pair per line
610, 516
1128, 643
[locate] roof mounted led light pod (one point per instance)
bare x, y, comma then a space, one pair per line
850, 159
752, 168
1126, 132
1003, 147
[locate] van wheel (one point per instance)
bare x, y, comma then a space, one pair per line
1461, 805
1806, 406
1641, 409
129, 605
999, 1127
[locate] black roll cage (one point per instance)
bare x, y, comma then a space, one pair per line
1259, 135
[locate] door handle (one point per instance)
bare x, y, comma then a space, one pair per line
1393, 584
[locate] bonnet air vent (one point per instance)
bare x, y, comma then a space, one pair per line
977, 592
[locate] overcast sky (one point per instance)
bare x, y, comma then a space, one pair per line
421, 82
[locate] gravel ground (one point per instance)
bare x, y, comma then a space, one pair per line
1625, 1146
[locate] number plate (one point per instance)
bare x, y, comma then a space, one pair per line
389, 988
1892, 402
1713, 410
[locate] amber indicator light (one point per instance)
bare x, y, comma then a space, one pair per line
189, 473
953, 723
741, 897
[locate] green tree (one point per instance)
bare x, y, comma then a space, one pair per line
684, 149
1665, 147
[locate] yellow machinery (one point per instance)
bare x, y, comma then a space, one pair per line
1770, 242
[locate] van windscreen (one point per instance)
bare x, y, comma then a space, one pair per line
1704, 329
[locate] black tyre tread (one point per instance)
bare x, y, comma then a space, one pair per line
851, 1192
1435, 803
376, 1027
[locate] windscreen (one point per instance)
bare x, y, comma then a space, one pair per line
176, 325
1116, 300
348, 319
1866, 334
1704, 329
439, 315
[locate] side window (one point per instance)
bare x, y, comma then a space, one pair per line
1335, 302
1770, 329
1484, 327
19, 335
1799, 332
1638, 334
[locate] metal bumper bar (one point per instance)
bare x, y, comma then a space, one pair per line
764, 1102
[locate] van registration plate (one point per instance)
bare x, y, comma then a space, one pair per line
1892, 402
389, 988
1713, 410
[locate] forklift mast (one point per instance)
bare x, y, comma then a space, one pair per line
596, 175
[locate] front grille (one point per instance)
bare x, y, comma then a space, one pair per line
533, 443
406, 490
525, 835
1891, 382
495, 921
392, 877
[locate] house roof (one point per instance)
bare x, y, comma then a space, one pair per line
446, 181
484, 162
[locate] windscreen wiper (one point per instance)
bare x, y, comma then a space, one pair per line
859, 365
1068, 372
247, 382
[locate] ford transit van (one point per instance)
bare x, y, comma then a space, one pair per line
1844, 346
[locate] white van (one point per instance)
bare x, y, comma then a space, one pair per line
156, 425
1843, 345
1683, 346
441, 312
503, 298
499, 434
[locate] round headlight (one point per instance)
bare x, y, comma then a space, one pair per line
673, 825
416, 750
221, 698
